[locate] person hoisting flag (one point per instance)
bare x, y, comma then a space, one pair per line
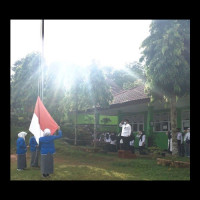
41, 120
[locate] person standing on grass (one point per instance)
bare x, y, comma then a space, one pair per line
113, 140
34, 152
132, 139
118, 138
187, 143
126, 132
107, 142
169, 135
142, 139
179, 141
21, 151
47, 149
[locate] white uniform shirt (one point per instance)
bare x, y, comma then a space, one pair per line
187, 136
141, 141
132, 143
113, 142
126, 129
107, 140
179, 137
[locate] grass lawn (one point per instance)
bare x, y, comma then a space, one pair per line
71, 163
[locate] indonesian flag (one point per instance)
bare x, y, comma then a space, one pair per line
41, 120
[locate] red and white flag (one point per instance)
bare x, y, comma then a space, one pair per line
41, 120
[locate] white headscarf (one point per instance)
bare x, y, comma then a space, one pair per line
47, 132
22, 134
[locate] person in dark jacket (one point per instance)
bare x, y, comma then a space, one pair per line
21, 151
169, 135
34, 152
142, 139
47, 149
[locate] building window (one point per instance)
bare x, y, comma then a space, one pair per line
185, 115
136, 122
161, 121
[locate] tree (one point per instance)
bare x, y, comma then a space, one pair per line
24, 83
76, 98
166, 55
99, 92
53, 89
132, 75
24, 86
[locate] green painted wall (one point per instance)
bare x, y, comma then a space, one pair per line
108, 120
85, 119
160, 137
161, 140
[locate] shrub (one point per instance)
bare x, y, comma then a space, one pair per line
155, 150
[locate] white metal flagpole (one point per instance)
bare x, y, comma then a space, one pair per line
42, 60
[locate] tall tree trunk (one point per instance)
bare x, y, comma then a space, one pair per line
173, 125
95, 126
75, 128
76, 104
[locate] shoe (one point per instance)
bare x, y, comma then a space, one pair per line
44, 175
20, 169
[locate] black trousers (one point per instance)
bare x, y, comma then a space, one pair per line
132, 148
141, 150
180, 151
126, 141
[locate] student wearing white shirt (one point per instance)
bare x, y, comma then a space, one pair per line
169, 135
118, 138
179, 141
187, 142
126, 132
132, 140
113, 141
142, 139
107, 142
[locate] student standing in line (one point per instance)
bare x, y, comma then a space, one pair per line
132, 140
113, 140
142, 139
107, 142
187, 143
169, 135
34, 152
121, 144
47, 149
21, 151
179, 141
118, 138
126, 132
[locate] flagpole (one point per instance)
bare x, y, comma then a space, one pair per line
42, 58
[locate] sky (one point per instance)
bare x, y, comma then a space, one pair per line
113, 43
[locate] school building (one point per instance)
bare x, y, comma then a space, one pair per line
134, 105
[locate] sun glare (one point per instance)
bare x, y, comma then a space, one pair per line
77, 43
113, 43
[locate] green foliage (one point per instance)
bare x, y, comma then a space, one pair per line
98, 90
24, 84
132, 76
155, 150
166, 53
